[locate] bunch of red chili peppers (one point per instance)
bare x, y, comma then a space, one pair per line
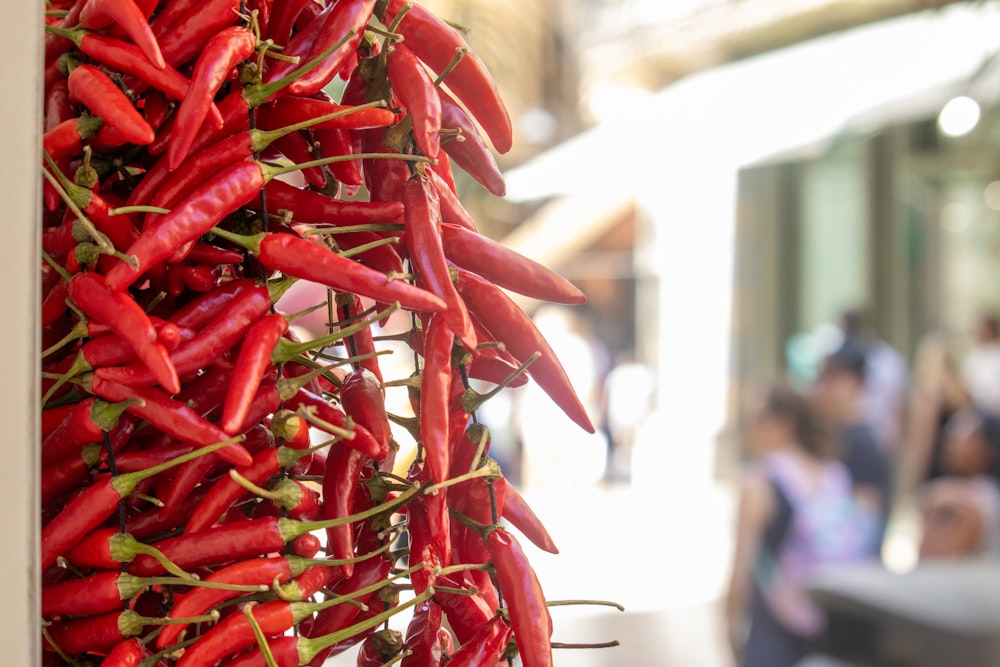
195, 167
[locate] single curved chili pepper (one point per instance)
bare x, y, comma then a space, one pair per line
362, 398
66, 139
171, 417
98, 633
290, 110
127, 653
363, 440
383, 178
303, 259
224, 50
506, 267
417, 94
314, 207
99, 14
520, 515
437, 43
486, 647
87, 596
251, 363
340, 480
140, 459
491, 365
422, 640
94, 89
282, 19
206, 253
128, 320
509, 324
463, 144
204, 308
529, 617
423, 242
435, 384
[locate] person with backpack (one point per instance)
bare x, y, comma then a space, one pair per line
797, 514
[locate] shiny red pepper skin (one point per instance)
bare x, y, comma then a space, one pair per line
510, 325
66, 139
87, 596
435, 384
505, 267
290, 110
99, 14
529, 617
340, 481
127, 653
94, 89
98, 633
226, 49
423, 241
362, 398
306, 260
417, 94
468, 149
520, 515
486, 647
422, 639
251, 363
466, 613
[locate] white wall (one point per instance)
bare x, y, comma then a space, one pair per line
20, 81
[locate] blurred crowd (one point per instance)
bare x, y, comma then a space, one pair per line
833, 461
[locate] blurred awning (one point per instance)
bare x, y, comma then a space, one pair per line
786, 100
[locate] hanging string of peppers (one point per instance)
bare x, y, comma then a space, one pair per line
213, 490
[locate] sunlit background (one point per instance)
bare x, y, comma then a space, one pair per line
722, 178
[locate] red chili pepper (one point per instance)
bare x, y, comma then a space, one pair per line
417, 94
66, 139
314, 207
204, 308
87, 596
98, 633
70, 473
225, 492
467, 147
99, 14
344, 22
91, 508
301, 258
224, 50
507, 268
529, 617
423, 242
520, 515
362, 441
254, 358
185, 37
435, 384
340, 481
85, 425
509, 324
338, 142
306, 546
94, 89
466, 612
290, 110
127, 653
128, 320
422, 640
135, 460
486, 647
256, 571
297, 149
362, 397
170, 416
282, 19
452, 210
331, 619
380, 647
437, 43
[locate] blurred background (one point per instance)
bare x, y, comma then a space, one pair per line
723, 179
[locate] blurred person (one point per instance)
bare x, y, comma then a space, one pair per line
937, 393
960, 510
981, 366
839, 393
886, 379
797, 513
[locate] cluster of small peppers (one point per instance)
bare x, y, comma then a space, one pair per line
195, 167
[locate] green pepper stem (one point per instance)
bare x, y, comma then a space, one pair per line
271, 171
258, 634
261, 139
571, 603
127, 482
258, 94
290, 528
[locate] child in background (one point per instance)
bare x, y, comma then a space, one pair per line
797, 513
